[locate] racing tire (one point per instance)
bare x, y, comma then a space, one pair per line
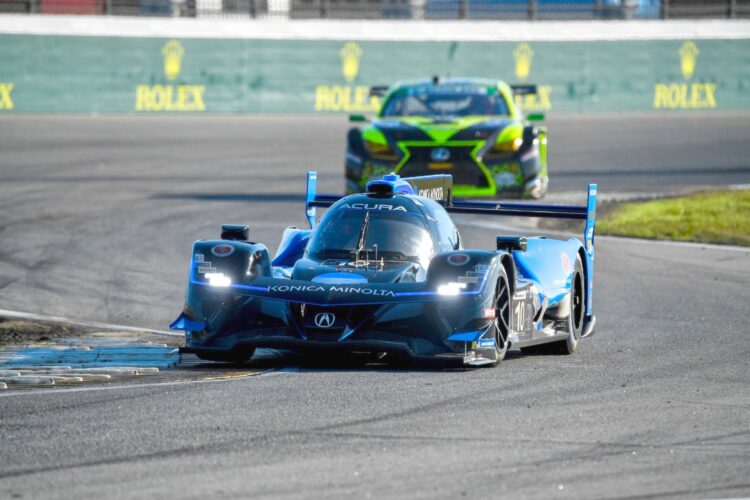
577, 311
235, 356
503, 316
574, 320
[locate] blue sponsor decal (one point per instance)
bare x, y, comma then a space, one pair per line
339, 279
471, 336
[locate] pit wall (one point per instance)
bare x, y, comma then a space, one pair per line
179, 73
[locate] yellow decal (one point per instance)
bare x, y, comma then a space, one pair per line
5, 100
170, 97
685, 95
440, 166
349, 97
523, 56
540, 101
172, 53
350, 57
688, 58
345, 98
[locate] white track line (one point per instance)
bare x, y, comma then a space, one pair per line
87, 324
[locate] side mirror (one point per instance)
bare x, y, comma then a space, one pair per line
237, 232
510, 243
357, 118
535, 117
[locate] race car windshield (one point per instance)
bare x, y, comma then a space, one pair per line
395, 235
441, 103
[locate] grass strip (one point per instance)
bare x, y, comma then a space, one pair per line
712, 217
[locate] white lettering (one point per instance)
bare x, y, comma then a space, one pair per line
296, 288
362, 291
432, 193
373, 206
345, 290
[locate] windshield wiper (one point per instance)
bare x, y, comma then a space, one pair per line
361, 240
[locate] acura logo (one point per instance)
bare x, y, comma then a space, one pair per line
440, 154
324, 320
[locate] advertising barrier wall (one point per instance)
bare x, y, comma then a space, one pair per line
86, 74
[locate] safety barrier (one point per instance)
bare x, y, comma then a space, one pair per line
132, 74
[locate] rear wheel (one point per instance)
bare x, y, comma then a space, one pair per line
574, 320
577, 311
503, 315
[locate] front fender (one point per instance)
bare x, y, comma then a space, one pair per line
470, 267
465, 280
550, 265
236, 261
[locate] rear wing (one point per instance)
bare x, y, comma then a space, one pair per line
378, 90
434, 187
578, 212
314, 200
427, 186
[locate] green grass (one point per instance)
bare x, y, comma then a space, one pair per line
714, 217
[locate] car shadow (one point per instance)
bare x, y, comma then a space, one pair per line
272, 359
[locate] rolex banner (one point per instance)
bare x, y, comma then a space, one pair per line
150, 75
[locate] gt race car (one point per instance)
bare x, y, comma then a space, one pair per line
385, 273
469, 128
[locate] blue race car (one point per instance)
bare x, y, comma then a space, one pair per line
385, 273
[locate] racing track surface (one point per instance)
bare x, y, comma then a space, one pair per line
96, 220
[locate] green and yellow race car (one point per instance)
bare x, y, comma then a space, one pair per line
468, 127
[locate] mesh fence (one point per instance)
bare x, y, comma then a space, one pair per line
394, 9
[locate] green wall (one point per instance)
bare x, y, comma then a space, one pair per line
149, 75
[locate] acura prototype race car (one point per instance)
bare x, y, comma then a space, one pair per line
385, 273
469, 128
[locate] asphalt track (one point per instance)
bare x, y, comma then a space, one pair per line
96, 220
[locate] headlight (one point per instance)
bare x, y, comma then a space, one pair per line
451, 288
218, 279
380, 151
508, 146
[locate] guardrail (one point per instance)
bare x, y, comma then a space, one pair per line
393, 9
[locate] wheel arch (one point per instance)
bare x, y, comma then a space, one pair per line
586, 279
506, 260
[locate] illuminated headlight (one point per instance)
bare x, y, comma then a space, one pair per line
508, 146
218, 279
451, 288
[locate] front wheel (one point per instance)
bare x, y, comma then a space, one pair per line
503, 315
